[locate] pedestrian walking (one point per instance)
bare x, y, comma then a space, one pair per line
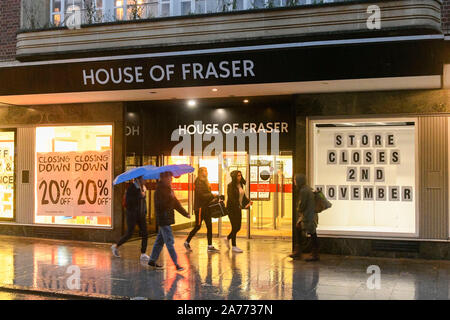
136, 212
237, 200
307, 219
165, 205
202, 198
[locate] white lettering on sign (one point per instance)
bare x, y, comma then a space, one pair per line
213, 128
167, 72
132, 131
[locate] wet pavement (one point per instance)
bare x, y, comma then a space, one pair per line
263, 271
22, 296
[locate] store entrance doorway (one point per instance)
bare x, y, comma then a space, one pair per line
269, 186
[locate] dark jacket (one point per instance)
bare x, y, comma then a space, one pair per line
135, 201
165, 205
202, 194
233, 195
306, 205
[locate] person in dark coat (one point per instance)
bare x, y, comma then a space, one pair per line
165, 205
136, 210
237, 200
307, 219
202, 198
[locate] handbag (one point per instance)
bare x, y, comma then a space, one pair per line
217, 210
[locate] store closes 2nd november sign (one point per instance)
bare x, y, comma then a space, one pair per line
74, 184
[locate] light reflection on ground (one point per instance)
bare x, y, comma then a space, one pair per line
263, 271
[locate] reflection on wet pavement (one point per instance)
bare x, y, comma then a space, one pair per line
21, 296
263, 271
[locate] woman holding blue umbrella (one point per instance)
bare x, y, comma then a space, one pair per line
136, 207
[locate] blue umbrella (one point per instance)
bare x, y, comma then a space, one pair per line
132, 174
176, 170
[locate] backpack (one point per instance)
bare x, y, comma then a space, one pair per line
321, 202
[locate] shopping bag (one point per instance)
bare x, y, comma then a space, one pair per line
217, 210
321, 202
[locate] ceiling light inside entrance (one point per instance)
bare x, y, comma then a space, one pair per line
191, 103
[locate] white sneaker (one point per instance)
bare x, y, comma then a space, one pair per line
144, 256
227, 242
115, 251
237, 250
212, 249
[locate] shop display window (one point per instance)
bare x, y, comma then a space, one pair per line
74, 175
367, 169
7, 174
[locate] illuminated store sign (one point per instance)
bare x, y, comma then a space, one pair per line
6, 175
367, 170
185, 71
224, 67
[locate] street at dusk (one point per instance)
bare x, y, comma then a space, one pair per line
225, 158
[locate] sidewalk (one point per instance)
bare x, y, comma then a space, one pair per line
263, 271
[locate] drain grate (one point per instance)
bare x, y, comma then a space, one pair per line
395, 246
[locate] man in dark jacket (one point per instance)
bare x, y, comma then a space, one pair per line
165, 205
136, 210
307, 218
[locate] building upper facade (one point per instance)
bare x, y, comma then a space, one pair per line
52, 29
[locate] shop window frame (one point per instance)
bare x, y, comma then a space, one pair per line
113, 209
448, 177
13, 219
312, 121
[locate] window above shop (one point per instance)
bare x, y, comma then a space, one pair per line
64, 13
70, 27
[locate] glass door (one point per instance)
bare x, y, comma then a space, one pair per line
269, 186
182, 188
212, 165
271, 192
229, 163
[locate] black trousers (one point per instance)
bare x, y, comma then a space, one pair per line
301, 237
235, 217
199, 217
133, 218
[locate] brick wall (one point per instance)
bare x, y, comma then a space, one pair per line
9, 25
446, 16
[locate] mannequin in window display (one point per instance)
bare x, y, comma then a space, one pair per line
202, 198
136, 210
307, 219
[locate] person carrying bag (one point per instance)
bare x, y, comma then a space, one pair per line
202, 198
237, 200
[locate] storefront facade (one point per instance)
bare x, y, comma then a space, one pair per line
387, 171
49, 156
365, 117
